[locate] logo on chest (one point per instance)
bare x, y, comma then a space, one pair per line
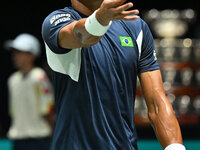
126, 41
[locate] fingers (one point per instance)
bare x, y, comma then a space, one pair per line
133, 17
131, 12
121, 2
124, 7
115, 10
123, 14
128, 15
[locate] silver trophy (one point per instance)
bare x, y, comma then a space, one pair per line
197, 77
140, 107
186, 76
168, 53
197, 54
169, 76
169, 23
185, 54
137, 105
185, 50
184, 103
196, 104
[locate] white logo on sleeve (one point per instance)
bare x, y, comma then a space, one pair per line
56, 19
154, 53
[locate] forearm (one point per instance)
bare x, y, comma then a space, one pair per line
75, 36
165, 124
160, 111
83, 36
88, 31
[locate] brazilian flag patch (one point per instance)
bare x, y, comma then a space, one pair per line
126, 41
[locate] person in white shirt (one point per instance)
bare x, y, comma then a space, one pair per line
31, 99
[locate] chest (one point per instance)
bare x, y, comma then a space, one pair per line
117, 48
23, 87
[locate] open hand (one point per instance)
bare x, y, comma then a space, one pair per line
115, 10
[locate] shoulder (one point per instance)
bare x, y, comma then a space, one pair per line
137, 24
65, 13
14, 75
133, 27
54, 22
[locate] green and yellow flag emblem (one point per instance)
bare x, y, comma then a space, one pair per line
126, 41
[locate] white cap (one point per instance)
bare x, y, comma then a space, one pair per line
25, 42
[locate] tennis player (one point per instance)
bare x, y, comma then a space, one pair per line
96, 49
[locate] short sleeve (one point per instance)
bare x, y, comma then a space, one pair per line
53, 23
147, 59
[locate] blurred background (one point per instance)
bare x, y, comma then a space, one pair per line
175, 26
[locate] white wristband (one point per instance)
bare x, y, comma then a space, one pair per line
93, 27
175, 146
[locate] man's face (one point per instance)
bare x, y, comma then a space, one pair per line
89, 2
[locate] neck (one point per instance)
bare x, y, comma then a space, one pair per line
82, 8
26, 69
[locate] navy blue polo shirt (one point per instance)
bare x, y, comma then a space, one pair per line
95, 87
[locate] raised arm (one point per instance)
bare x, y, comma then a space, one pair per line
160, 111
76, 35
